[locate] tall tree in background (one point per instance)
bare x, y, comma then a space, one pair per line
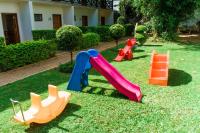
129, 11
166, 15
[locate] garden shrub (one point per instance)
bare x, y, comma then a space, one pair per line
103, 32
44, 34
66, 68
2, 41
20, 54
141, 38
89, 40
140, 34
117, 31
129, 29
121, 20
140, 29
68, 38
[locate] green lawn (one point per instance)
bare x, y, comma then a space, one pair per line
100, 108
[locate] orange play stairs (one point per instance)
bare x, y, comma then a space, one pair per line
159, 69
46, 110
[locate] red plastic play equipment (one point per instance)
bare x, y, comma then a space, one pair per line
126, 52
158, 74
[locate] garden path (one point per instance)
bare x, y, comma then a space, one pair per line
32, 69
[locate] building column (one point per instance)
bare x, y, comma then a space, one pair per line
68, 15
26, 13
94, 19
1, 27
110, 19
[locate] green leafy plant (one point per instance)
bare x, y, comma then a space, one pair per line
166, 15
66, 68
117, 31
89, 40
140, 34
129, 29
121, 20
68, 38
16, 55
2, 41
44, 34
102, 31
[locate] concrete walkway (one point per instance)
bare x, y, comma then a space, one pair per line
32, 69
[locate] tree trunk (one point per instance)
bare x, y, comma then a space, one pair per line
71, 54
117, 43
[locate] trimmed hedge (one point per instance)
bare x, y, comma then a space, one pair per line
141, 29
44, 34
89, 40
103, 32
16, 55
129, 29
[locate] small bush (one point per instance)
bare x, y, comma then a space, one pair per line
66, 68
103, 32
68, 37
121, 20
89, 40
44, 34
117, 31
2, 41
13, 56
140, 29
129, 29
141, 38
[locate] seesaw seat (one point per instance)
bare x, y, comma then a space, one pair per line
46, 110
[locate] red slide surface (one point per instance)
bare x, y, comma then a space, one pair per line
132, 91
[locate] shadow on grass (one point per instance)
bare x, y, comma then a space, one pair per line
20, 90
178, 77
140, 57
44, 128
104, 92
192, 46
99, 80
138, 51
149, 45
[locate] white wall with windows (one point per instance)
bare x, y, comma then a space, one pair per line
108, 16
91, 13
46, 12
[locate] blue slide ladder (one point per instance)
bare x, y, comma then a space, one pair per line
79, 76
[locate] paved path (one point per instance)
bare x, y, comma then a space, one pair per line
32, 69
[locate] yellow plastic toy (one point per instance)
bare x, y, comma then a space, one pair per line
43, 111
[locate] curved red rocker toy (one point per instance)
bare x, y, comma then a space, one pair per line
126, 52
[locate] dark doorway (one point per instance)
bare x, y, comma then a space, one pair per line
84, 20
103, 20
10, 26
57, 21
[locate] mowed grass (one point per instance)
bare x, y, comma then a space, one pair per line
100, 108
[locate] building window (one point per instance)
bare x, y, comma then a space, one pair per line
103, 20
38, 17
84, 20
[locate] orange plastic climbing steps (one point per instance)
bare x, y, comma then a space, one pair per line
159, 69
46, 110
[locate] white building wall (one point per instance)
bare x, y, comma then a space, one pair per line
10, 7
68, 15
47, 11
108, 14
84, 11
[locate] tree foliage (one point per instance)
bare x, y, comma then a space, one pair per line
166, 14
129, 10
117, 31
